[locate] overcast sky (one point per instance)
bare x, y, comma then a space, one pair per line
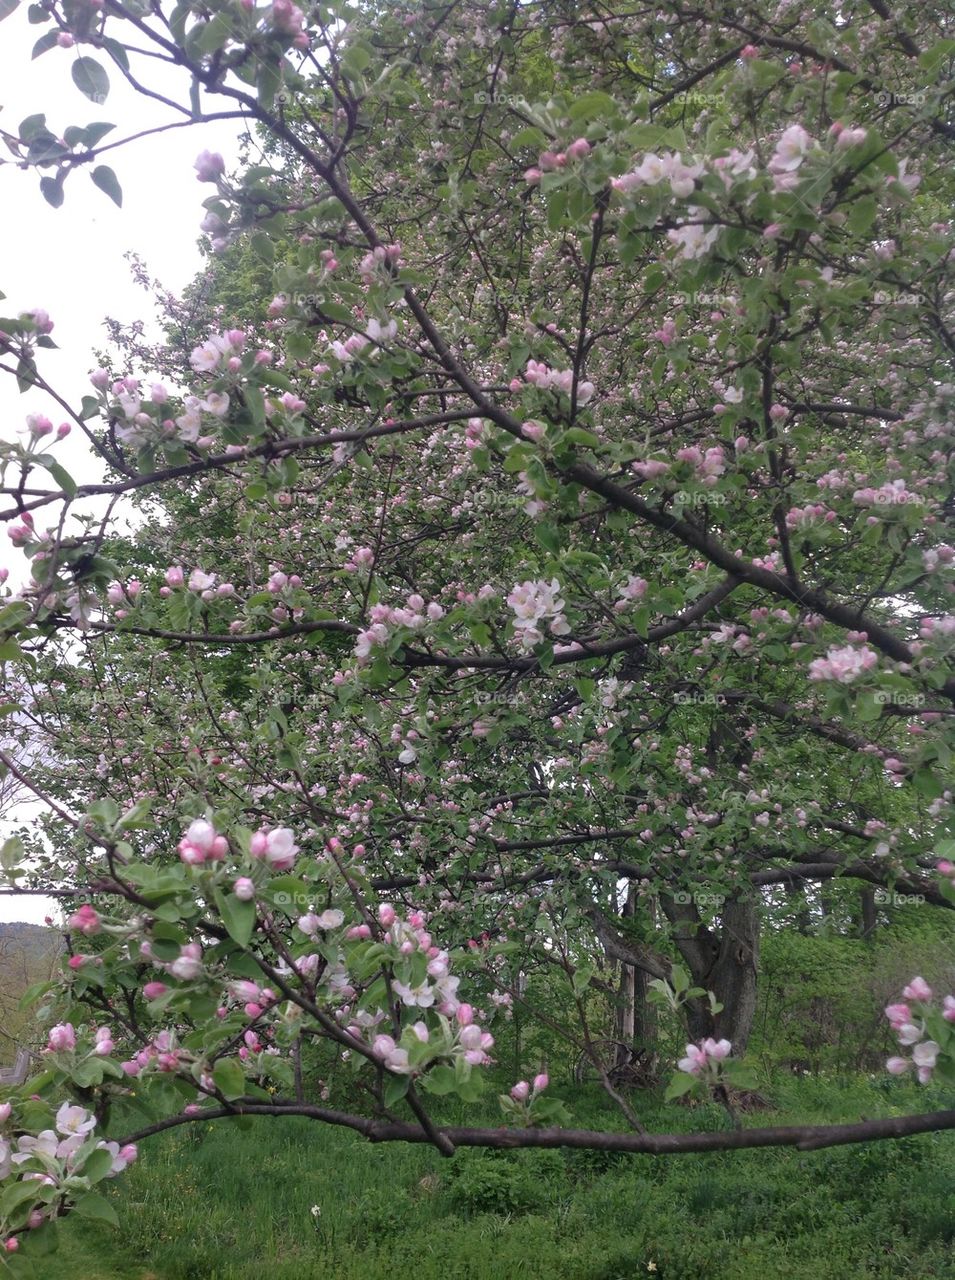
70, 260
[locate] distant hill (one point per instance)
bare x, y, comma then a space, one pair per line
34, 939
27, 953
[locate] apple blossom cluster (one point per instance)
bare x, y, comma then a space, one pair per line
421, 980
946, 868
376, 334
920, 1027
808, 516
553, 161
533, 603
380, 263
844, 665
60, 1164
275, 848
545, 378
524, 1104
891, 494
708, 464
414, 616
134, 425
704, 1060
521, 1091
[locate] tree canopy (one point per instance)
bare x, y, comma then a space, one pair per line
542, 571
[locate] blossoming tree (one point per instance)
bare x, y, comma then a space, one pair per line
541, 560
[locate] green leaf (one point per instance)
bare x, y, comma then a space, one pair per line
44, 43
588, 106
19, 1193
59, 473
577, 435
88, 1072
237, 916
93, 133
104, 178
862, 214
440, 1081
91, 80
11, 852
52, 190
931, 60
395, 1089
262, 246
214, 35
678, 1086
136, 818
229, 1078
97, 1165
32, 127
93, 1205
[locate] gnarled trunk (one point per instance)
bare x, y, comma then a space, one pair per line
724, 960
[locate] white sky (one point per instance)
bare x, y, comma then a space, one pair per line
70, 261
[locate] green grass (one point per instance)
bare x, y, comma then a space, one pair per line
222, 1203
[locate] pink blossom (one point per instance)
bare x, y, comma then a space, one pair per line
209, 166
843, 665
62, 1037
244, 889
898, 1015
86, 920
521, 1091
277, 848
918, 989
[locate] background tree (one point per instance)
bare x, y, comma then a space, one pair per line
554, 571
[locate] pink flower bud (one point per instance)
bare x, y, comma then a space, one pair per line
918, 989
521, 1091
540, 1082
209, 166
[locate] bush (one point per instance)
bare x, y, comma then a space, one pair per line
505, 1182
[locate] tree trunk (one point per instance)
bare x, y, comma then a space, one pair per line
724, 962
869, 914
733, 977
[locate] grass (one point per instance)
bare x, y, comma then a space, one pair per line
232, 1201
